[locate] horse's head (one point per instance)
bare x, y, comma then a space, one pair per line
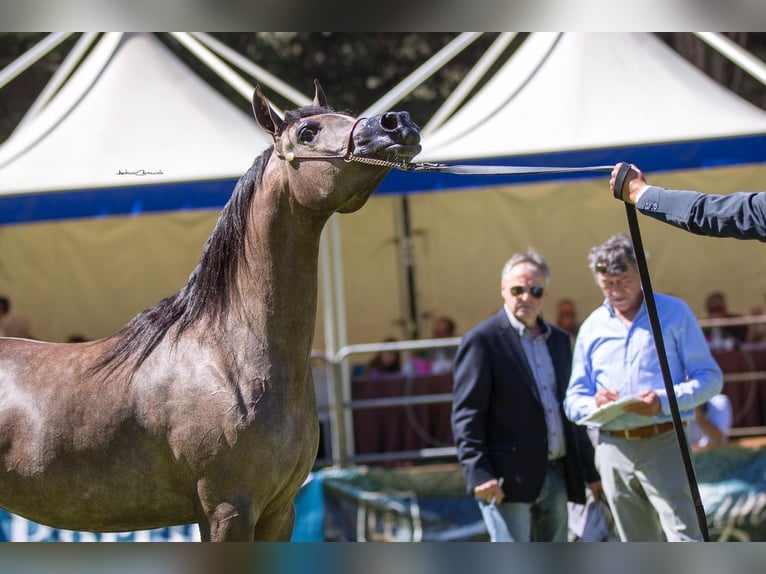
333, 161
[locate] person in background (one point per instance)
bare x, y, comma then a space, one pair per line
521, 458
440, 360
741, 215
642, 472
711, 424
724, 337
566, 316
443, 327
12, 324
756, 332
385, 362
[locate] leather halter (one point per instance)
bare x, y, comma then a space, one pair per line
347, 155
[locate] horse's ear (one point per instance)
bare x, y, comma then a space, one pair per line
319, 98
265, 115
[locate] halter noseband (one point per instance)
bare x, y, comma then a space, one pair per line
348, 156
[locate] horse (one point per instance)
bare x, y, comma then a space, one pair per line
202, 408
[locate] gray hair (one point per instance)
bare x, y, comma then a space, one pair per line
612, 257
528, 257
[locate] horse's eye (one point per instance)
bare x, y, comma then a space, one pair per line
307, 131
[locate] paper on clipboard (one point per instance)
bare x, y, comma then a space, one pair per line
607, 412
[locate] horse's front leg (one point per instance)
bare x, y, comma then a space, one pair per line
231, 520
277, 527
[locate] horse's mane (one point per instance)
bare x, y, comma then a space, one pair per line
207, 294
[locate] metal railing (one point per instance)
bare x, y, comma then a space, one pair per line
340, 408
337, 412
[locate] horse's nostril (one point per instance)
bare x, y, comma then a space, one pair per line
389, 121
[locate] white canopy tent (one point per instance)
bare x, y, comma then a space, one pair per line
580, 99
132, 115
580, 91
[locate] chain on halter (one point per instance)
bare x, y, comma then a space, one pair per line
378, 162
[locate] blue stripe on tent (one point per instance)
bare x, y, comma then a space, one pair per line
650, 158
135, 200
105, 202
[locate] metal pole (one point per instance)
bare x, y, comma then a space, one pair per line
330, 316
407, 258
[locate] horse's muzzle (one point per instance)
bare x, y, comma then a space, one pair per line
392, 135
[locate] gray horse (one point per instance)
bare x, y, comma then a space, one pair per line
202, 408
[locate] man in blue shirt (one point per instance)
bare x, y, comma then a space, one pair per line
740, 215
637, 455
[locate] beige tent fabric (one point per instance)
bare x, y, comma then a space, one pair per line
468, 236
92, 276
371, 270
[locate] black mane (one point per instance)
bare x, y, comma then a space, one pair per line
207, 294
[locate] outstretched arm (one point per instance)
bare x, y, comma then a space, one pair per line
741, 215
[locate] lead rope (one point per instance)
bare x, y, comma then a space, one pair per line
469, 169
659, 344
497, 169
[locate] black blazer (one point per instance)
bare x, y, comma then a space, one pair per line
497, 416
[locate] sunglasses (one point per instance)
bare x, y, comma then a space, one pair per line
536, 291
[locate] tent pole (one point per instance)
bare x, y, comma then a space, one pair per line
469, 82
425, 71
39, 50
241, 86
339, 305
338, 429
334, 317
407, 261
261, 75
59, 77
735, 53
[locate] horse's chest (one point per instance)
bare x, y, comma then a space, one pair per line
262, 422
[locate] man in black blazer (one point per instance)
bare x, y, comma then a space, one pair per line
521, 457
740, 215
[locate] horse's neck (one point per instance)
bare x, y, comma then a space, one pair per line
279, 282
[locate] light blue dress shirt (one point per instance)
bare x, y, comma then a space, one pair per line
540, 361
608, 354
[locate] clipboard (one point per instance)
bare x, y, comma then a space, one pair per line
607, 412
